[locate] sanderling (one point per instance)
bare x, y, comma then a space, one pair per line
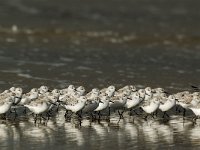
93, 93
127, 87
12, 89
71, 89
18, 95
109, 90
133, 101
5, 92
166, 103
125, 90
158, 91
91, 105
80, 90
38, 106
141, 93
151, 106
184, 100
75, 105
104, 103
6, 103
28, 97
133, 88
43, 89
195, 107
117, 103
148, 93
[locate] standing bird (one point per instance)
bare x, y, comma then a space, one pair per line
166, 103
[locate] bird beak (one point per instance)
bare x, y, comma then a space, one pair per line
166, 92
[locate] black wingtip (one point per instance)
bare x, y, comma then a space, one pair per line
167, 92
195, 88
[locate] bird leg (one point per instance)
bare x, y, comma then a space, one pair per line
152, 115
35, 118
194, 119
121, 114
99, 115
67, 115
184, 111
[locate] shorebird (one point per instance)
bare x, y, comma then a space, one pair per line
125, 90
195, 107
159, 91
18, 95
12, 89
103, 104
75, 105
148, 93
184, 99
142, 93
93, 93
5, 104
91, 105
71, 89
39, 106
109, 90
166, 103
133, 101
80, 90
43, 89
117, 103
28, 97
151, 106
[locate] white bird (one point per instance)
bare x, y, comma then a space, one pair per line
104, 103
75, 105
166, 103
28, 97
109, 90
80, 90
5, 104
133, 101
43, 89
195, 107
148, 94
93, 93
18, 95
39, 106
151, 106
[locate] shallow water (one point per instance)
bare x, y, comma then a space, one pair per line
95, 44
128, 133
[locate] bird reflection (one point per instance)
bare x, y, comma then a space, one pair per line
165, 133
101, 129
74, 134
5, 132
152, 133
194, 135
38, 135
131, 130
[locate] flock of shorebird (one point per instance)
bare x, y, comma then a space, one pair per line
41, 101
